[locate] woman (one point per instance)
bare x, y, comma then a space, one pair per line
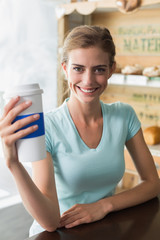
85, 141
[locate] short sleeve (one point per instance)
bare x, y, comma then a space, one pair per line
133, 123
47, 134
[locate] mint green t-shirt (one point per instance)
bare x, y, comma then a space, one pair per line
82, 174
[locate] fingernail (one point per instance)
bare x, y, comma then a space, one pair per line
35, 126
36, 116
28, 102
16, 97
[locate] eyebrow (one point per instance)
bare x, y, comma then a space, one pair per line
79, 65
102, 65
75, 64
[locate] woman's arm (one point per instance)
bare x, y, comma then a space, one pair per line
149, 187
146, 190
40, 198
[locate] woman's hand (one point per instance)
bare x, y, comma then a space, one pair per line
8, 129
82, 213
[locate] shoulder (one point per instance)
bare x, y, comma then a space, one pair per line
56, 115
118, 107
119, 112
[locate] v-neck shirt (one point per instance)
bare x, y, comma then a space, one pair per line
77, 133
83, 174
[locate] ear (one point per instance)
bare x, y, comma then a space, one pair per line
64, 66
112, 69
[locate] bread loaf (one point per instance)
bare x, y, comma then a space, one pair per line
151, 71
152, 135
135, 69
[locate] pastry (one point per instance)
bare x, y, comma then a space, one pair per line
151, 71
152, 135
132, 69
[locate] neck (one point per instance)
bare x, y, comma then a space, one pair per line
85, 112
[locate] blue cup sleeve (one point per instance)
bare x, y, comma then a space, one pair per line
40, 122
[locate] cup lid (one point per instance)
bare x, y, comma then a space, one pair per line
23, 90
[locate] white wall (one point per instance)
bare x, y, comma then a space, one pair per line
28, 53
28, 46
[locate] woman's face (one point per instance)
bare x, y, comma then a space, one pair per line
87, 71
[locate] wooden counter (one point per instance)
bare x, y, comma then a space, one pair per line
137, 223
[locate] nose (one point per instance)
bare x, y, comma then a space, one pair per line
88, 78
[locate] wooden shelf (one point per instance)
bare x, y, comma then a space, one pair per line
134, 80
86, 8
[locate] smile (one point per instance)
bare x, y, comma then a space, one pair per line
88, 90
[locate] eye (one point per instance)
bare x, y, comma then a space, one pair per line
78, 69
100, 70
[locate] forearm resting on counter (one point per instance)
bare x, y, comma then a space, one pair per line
139, 194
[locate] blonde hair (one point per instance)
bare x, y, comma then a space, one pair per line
89, 36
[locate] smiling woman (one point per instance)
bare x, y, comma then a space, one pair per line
87, 71
85, 140
95, 70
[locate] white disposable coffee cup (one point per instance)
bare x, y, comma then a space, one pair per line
32, 147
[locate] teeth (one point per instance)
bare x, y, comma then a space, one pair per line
88, 90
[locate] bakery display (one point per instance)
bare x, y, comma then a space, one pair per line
152, 135
135, 69
152, 71
127, 6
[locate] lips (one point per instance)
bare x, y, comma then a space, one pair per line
89, 90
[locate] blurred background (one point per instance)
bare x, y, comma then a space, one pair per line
31, 40
28, 54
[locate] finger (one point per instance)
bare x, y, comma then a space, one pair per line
25, 132
73, 208
69, 215
9, 140
14, 112
10, 105
69, 221
70, 211
70, 218
76, 223
81, 220
19, 124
